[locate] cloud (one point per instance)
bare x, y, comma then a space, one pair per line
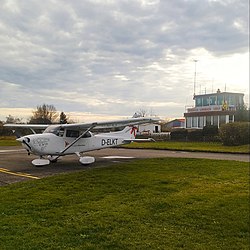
115, 57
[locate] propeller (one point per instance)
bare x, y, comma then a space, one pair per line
25, 140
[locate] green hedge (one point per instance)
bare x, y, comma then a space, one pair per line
234, 134
179, 134
195, 135
208, 133
210, 130
5, 131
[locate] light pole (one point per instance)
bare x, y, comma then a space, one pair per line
195, 61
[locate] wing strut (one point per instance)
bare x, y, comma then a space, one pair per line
76, 140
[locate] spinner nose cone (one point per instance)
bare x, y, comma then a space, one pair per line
24, 139
20, 139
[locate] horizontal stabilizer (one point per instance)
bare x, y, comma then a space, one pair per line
138, 140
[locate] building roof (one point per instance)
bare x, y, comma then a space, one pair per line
179, 120
218, 93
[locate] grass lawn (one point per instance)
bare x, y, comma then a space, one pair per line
191, 146
166, 145
9, 141
144, 204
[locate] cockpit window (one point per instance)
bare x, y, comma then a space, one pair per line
72, 133
87, 135
59, 131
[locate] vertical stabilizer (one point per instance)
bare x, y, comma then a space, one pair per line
129, 132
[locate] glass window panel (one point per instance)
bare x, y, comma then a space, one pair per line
205, 101
212, 100
194, 122
198, 102
208, 120
200, 121
222, 119
188, 122
220, 100
215, 120
72, 133
231, 118
231, 100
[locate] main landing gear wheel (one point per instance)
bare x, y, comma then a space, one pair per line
86, 160
40, 162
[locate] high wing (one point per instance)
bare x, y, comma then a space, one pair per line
85, 126
109, 124
31, 126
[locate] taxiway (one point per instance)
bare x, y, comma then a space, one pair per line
15, 164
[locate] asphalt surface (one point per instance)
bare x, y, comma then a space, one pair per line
16, 166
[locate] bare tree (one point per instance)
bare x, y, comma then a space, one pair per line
140, 113
45, 114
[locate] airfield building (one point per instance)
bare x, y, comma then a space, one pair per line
213, 109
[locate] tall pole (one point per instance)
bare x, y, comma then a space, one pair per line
195, 61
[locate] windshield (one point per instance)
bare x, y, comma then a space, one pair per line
54, 129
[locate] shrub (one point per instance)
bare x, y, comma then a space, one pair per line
211, 133
234, 134
5, 131
179, 134
242, 114
195, 135
210, 130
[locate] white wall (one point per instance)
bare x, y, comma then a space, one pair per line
149, 128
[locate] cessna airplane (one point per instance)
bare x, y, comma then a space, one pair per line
64, 139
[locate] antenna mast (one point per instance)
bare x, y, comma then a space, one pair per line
195, 61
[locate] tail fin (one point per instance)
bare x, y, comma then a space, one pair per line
129, 132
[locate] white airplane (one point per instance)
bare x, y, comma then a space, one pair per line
64, 139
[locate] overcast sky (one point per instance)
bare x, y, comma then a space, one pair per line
97, 58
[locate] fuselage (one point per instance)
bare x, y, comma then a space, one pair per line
54, 143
